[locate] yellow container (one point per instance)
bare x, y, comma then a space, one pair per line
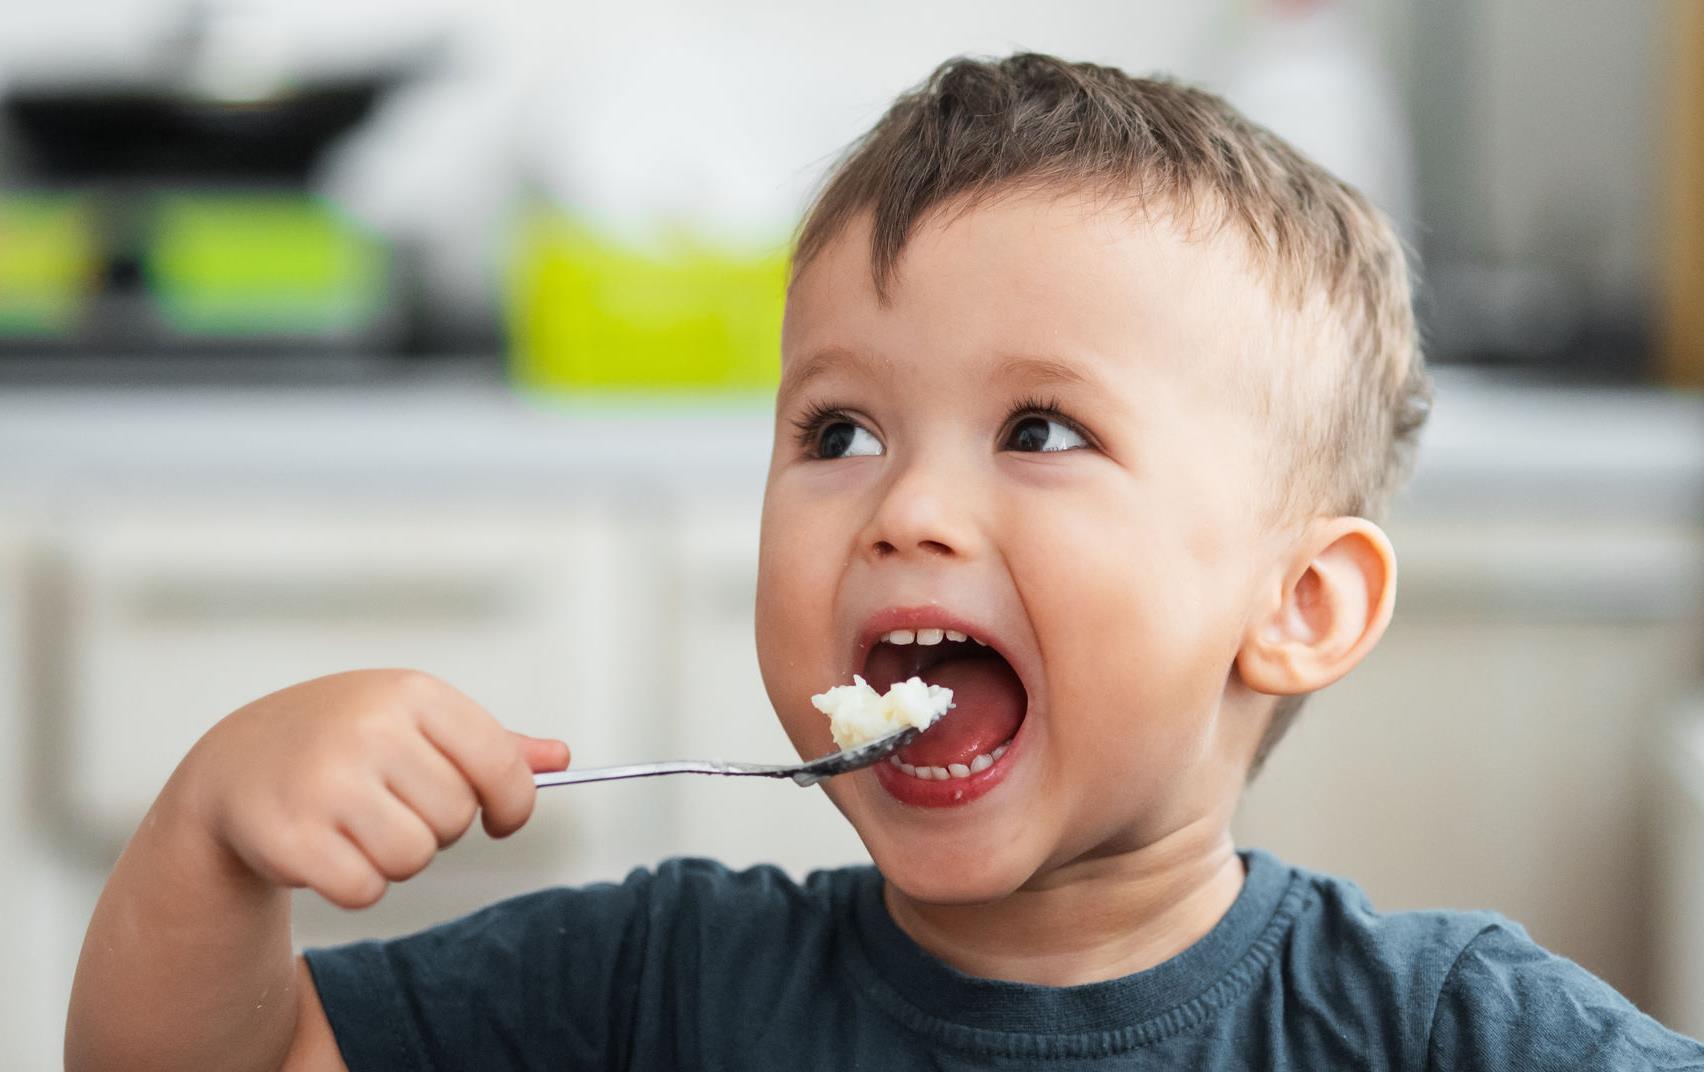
50, 263
586, 312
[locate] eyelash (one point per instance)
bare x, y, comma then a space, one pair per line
819, 415
1036, 406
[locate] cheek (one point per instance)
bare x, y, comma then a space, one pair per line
1134, 626
796, 578
797, 564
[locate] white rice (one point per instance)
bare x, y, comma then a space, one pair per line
857, 715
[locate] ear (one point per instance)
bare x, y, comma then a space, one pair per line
1337, 594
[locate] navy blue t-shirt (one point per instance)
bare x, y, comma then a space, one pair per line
696, 966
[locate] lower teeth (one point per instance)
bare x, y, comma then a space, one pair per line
981, 763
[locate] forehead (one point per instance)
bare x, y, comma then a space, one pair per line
1038, 273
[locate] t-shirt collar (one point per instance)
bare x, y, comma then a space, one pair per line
942, 993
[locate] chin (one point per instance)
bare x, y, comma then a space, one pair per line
950, 863
986, 879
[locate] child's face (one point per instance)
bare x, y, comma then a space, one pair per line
1040, 442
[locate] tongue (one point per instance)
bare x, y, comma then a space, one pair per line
988, 704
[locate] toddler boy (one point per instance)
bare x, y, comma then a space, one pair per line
1091, 392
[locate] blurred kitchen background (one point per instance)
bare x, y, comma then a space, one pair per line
440, 333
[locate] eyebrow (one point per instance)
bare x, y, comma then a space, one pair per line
1033, 369
797, 377
1042, 371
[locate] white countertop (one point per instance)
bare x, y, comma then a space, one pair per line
1491, 446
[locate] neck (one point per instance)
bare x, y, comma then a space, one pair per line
1093, 919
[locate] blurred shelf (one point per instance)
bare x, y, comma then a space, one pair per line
1495, 444
447, 430
1514, 446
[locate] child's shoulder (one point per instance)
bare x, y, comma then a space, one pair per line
1433, 950
1468, 987
1339, 917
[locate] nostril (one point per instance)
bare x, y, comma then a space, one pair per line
936, 547
883, 548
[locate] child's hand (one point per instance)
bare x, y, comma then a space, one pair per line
348, 783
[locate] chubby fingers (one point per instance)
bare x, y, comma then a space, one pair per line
391, 835
492, 760
426, 781
342, 872
434, 787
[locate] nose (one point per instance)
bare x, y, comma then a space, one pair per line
921, 513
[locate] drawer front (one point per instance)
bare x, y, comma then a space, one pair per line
170, 622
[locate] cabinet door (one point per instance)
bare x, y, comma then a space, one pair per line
721, 710
1678, 757
171, 620
43, 926
16, 737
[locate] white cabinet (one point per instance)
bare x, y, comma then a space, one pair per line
1679, 911
169, 619
32, 940
16, 776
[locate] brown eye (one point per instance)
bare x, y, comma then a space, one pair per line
843, 439
1036, 434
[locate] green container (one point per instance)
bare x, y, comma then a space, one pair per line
236, 264
586, 312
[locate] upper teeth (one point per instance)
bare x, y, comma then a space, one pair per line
926, 636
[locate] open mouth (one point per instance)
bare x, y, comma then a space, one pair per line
989, 705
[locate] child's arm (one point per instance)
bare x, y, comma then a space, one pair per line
343, 785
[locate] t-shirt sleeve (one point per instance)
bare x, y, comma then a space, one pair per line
1508, 1004
550, 979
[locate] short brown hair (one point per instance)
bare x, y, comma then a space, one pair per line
977, 128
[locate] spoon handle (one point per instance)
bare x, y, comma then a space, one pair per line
810, 773
647, 770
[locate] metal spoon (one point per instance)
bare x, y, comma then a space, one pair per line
842, 762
